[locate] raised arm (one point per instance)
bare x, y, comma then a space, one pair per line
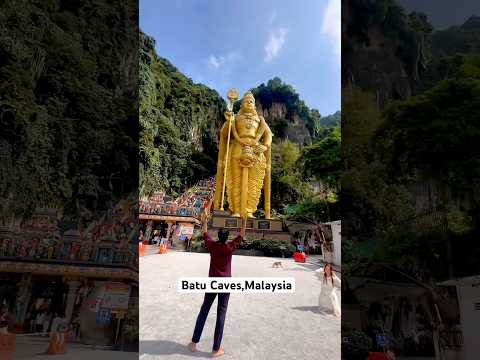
204, 220
238, 240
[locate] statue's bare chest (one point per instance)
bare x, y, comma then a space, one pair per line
247, 125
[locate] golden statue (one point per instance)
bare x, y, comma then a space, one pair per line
244, 159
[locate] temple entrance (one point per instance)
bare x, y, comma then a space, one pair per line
8, 289
47, 299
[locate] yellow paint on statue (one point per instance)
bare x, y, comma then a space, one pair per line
244, 159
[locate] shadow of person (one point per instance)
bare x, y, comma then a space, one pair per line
313, 309
166, 347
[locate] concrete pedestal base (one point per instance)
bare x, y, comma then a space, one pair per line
268, 229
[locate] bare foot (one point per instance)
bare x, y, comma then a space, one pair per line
192, 347
218, 353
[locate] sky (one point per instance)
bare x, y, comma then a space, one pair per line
241, 44
444, 13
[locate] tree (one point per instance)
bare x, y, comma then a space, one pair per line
288, 184
322, 160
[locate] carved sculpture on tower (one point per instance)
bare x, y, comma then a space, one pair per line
244, 160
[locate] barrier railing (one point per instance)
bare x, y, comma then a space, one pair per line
168, 210
451, 339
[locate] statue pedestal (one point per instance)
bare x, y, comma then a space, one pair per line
268, 229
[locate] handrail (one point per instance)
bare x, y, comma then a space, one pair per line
171, 210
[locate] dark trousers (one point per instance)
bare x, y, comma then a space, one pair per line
202, 317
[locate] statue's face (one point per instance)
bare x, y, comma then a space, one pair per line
248, 103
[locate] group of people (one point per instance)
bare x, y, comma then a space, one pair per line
41, 321
118, 223
158, 239
198, 195
195, 197
190, 203
45, 321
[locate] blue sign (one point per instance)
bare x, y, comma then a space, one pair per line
104, 316
382, 340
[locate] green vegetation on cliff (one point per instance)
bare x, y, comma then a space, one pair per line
412, 164
179, 123
68, 117
278, 93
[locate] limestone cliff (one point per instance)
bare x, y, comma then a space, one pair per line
384, 51
287, 115
295, 128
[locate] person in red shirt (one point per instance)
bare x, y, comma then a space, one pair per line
220, 266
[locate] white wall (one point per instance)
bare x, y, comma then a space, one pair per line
468, 291
337, 242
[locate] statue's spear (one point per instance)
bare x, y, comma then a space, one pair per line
232, 96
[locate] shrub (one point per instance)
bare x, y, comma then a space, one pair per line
355, 343
248, 243
275, 248
197, 244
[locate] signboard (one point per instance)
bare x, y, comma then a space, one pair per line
186, 229
382, 340
231, 223
116, 296
104, 316
120, 314
264, 225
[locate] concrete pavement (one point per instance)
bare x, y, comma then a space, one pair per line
258, 326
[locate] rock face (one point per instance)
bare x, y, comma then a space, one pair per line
384, 51
464, 39
296, 129
287, 115
378, 68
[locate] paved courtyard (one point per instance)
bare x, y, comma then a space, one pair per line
258, 326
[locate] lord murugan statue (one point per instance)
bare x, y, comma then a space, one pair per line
244, 159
